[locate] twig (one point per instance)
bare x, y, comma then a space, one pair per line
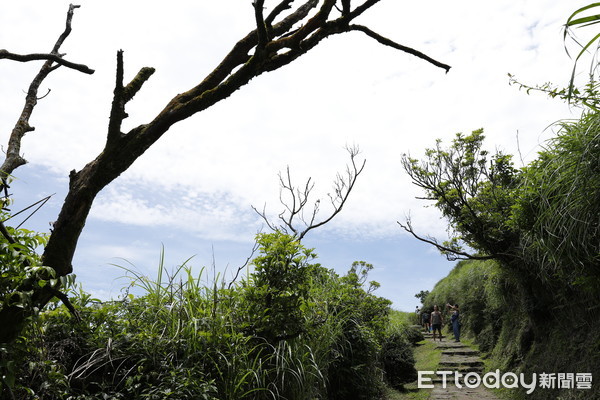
244, 265
458, 255
5, 54
385, 41
299, 199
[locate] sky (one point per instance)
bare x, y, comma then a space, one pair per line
192, 193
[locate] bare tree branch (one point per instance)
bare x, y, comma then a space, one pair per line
284, 5
299, 199
122, 95
13, 158
385, 41
343, 187
272, 45
65, 299
261, 28
263, 215
53, 56
57, 58
294, 208
244, 265
451, 254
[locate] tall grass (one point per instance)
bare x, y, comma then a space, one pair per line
179, 335
185, 337
559, 209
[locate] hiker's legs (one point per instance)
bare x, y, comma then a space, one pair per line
438, 328
456, 330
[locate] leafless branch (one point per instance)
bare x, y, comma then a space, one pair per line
299, 198
284, 5
261, 28
13, 158
263, 215
57, 58
244, 265
295, 207
388, 42
122, 95
342, 187
54, 55
276, 42
451, 254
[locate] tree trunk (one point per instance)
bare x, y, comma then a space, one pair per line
269, 47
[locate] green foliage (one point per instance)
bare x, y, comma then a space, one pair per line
398, 360
541, 225
587, 95
355, 371
558, 206
182, 339
579, 20
422, 295
20, 266
279, 287
484, 293
471, 190
21, 275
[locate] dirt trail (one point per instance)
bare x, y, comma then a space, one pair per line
457, 357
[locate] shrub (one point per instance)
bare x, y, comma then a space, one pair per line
414, 334
319, 336
398, 360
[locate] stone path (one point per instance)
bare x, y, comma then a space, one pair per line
457, 360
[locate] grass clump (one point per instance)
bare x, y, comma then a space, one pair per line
291, 329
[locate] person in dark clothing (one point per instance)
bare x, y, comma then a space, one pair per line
425, 318
455, 321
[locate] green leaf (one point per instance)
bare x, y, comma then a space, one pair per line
589, 20
582, 9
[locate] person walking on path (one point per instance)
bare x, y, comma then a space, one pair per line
455, 321
436, 322
425, 321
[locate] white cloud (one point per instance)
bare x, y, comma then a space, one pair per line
214, 216
205, 173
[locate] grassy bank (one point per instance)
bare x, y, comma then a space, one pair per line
427, 358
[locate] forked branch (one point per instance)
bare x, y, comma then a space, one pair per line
452, 254
278, 40
297, 200
53, 59
57, 58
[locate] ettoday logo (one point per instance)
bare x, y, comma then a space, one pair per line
509, 380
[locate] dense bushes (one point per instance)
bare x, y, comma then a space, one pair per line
398, 360
541, 226
485, 296
494, 315
292, 330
